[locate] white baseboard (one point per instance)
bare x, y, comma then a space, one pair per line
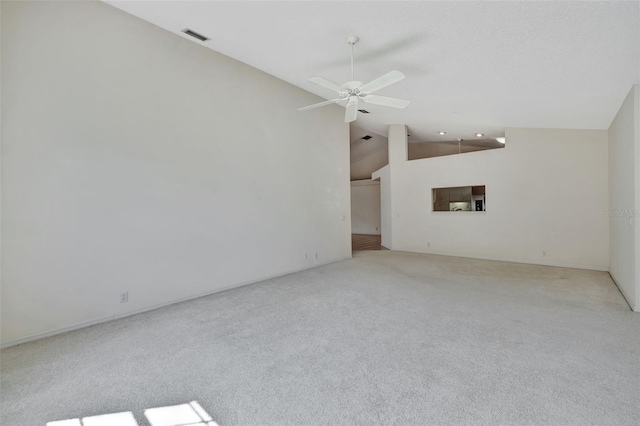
38, 336
514, 260
626, 298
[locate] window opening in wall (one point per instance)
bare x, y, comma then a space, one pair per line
417, 150
459, 199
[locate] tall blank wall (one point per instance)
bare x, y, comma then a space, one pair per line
365, 207
623, 198
546, 191
135, 160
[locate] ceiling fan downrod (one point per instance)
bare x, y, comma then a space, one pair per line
352, 40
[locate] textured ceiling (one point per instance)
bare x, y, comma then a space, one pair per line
470, 66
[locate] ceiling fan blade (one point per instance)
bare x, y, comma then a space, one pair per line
325, 83
352, 110
318, 105
384, 101
384, 81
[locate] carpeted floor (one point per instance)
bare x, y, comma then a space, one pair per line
384, 338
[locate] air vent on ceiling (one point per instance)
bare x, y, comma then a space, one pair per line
366, 138
194, 34
364, 111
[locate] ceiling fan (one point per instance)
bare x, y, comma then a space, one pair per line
354, 91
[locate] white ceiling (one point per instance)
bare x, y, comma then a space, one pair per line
470, 66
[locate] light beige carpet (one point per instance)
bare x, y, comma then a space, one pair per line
384, 338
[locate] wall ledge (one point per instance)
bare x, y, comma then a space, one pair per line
365, 182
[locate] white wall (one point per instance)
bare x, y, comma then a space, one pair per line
636, 89
624, 200
546, 190
369, 155
135, 160
365, 207
363, 168
384, 177
1, 173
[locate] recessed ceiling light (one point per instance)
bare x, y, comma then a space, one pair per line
442, 133
479, 135
501, 139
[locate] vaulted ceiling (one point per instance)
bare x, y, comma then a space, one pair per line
470, 66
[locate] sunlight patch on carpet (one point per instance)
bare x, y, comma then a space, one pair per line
191, 414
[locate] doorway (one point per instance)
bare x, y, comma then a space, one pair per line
365, 215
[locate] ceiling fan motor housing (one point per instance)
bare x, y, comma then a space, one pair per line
352, 85
351, 88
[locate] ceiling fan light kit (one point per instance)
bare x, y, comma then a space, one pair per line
352, 92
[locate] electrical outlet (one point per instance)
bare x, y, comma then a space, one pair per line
124, 297
544, 253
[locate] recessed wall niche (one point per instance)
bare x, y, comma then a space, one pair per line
459, 199
428, 149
